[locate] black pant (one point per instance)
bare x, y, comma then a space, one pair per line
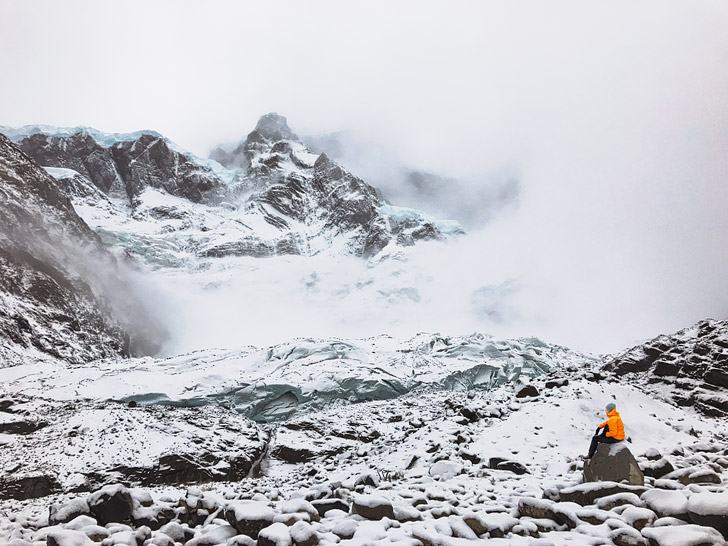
603, 439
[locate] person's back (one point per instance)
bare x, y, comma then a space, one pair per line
612, 428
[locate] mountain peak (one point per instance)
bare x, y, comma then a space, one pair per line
275, 127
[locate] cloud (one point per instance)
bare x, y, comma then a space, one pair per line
613, 119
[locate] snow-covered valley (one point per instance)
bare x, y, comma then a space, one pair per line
266, 366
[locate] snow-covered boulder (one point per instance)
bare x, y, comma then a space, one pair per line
276, 534
249, 517
615, 463
445, 469
710, 509
587, 493
111, 504
372, 507
683, 535
63, 513
672, 504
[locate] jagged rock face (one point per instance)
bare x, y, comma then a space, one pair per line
271, 128
149, 161
294, 184
693, 362
125, 168
79, 152
309, 200
57, 280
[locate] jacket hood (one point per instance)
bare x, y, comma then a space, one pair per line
613, 413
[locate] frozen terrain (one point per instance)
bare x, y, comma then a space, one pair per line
230, 351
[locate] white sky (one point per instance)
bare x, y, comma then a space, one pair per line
614, 114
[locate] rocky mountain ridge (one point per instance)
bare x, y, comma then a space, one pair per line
692, 363
305, 197
62, 292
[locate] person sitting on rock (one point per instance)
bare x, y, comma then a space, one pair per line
612, 431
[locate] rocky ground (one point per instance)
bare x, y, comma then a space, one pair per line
431, 467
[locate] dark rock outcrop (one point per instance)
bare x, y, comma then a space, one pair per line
693, 362
61, 292
126, 167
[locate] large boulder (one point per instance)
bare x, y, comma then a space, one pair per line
249, 517
683, 535
615, 463
372, 507
63, 513
710, 509
585, 494
111, 504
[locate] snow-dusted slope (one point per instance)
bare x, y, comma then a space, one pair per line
430, 467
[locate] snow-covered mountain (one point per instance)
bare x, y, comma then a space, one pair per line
274, 198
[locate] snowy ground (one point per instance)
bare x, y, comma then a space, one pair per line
416, 470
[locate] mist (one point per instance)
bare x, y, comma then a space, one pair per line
583, 147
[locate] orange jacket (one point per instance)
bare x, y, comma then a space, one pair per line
616, 427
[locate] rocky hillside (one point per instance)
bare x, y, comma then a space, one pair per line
125, 167
311, 203
689, 367
61, 292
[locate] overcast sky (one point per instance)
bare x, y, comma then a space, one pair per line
614, 115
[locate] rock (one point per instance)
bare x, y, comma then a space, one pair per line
684, 535
112, 503
615, 463
406, 513
31, 486
372, 507
666, 503
345, 529
619, 499
303, 534
63, 513
639, 518
512, 466
212, 535
652, 454
445, 469
628, 537
527, 391
67, 537
657, 468
249, 517
324, 505
95, 532
710, 510
560, 513
493, 462
497, 525
556, 383
702, 476
294, 506
276, 534
176, 532
152, 516
587, 493
470, 414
